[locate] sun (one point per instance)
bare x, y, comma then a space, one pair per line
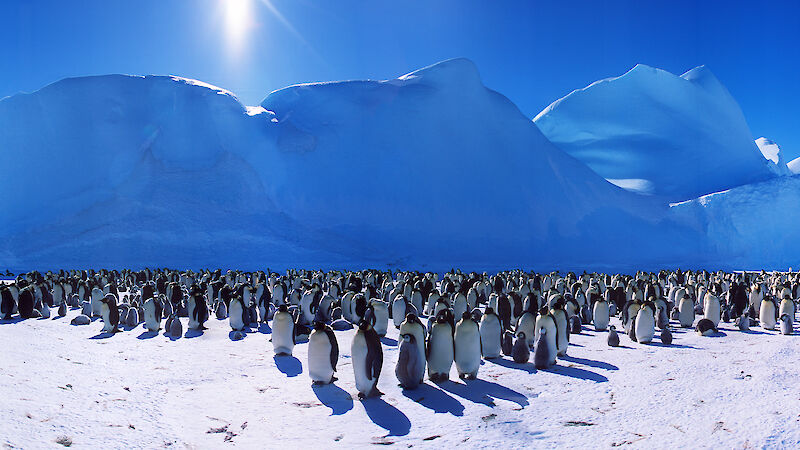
238, 20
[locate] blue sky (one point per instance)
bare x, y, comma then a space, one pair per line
532, 52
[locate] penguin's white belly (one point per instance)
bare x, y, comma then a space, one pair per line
686, 312
459, 307
787, 307
235, 315
467, 349
645, 326
381, 318
441, 357
282, 333
398, 312
527, 325
106, 313
711, 311
191, 306
319, 357
490, 338
358, 351
562, 341
600, 313
767, 315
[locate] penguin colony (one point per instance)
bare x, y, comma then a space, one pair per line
454, 319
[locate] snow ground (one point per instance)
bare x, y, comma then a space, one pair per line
137, 390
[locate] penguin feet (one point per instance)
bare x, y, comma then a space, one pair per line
468, 376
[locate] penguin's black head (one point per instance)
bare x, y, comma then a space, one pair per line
466, 315
283, 308
319, 326
411, 317
543, 311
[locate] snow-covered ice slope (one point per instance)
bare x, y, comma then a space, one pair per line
136, 389
430, 168
755, 225
676, 137
772, 152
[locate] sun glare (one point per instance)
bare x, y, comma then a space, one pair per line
238, 20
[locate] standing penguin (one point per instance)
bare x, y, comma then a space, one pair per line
507, 345
439, 351
786, 324
542, 358
399, 309
545, 321
175, 327
221, 310
197, 309
7, 303
152, 314
743, 322
26, 303
381, 310
712, 308
413, 326
786, 307
601, 314
645, 323
409, 362
132, 318
97, 302
283, 333
62, 309
686, 311
490, 329
367, 356
666, 336
562, 332
323, 354
613, 337
236, 312
521, 352
767, 313
527, 321
662, 319
467, 347
110, 313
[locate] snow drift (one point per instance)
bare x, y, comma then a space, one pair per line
772, 152
653, 132
430, 168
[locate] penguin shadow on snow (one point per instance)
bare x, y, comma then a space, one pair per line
289, 365
526, 367
484, 392
673, 345
386, 416
191, 333
264, 328
147, 334
334, 397
11, 321
435, 399
389, 341
576, 372
102, 335
589, 362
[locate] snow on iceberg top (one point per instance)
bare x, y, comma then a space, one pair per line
684, 136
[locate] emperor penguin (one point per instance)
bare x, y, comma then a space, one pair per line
712, 309
409, 362
439, 351
347, 306
786, 324
601, 313
416, 299
413, 326
666, 336
62, 309
686, 311
767, 313
399, 309
367, 357
175, 327
132, 318
613, 337
197, 309
521, 352
547, 322
662, 319
283, 333
786, 307
97, 302
743, 322
323, 354
705, 327
7, 303
381, 311
152, 314
527, 321
755, 297
542, 358
236, 312
562, 333
629, 312
110, 313
491, 333
467, 342
460, 304
645, 323
221, 311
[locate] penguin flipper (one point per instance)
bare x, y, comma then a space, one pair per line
334, 347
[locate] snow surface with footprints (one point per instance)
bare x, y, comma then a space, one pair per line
136, 389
